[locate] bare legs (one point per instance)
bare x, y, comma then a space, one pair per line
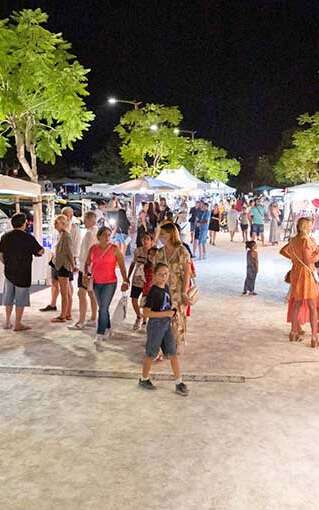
147, 365
212, 237
136, 308
54, 292
66, 299
295, 326
18, 326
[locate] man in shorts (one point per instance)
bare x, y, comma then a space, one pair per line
257, 215
17, 249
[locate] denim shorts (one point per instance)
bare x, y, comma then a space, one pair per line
257, 229
160, 336
12, 295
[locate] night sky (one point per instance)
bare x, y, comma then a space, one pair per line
240, 70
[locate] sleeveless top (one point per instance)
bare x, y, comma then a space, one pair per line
103, 264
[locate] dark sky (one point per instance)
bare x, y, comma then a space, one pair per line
241, 70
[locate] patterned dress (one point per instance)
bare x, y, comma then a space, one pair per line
176, 263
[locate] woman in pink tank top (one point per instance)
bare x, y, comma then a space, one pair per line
100, 265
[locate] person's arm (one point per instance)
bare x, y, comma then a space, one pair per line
186, 279
310, 255
37, 249
121, 263
88, 261
131, 269
285, 252
69, 250
149, 314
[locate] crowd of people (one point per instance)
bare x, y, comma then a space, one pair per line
161, 273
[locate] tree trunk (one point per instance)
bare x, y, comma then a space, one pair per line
31, 172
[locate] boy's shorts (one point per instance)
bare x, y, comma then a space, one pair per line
13, 295
136, 292
160, 336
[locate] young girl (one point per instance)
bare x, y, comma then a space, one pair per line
137, 268
252, 268
244, 223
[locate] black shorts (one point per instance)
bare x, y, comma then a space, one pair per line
197, 233
136, 292
243, 227
80, 281
62, 273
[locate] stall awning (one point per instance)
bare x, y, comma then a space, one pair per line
18, 187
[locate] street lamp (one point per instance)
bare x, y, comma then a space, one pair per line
114, 100
154, 127
177, 131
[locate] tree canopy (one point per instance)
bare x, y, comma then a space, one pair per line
42, 91
107, 164
148, 139
151, 142
299, 163
208, 162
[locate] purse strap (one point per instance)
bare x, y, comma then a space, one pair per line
301, 261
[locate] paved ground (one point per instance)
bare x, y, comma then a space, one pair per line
92, 443
105, 444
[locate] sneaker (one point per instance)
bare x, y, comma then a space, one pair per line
107, 335
90, 324
253, 294
181, 389
147, 385
245, 293
99, 343
137, 324
48, 308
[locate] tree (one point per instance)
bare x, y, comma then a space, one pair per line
299, 163
265, 171
108, 165
208, 162
149, 142
42, 87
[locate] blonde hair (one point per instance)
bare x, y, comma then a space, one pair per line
90, 215
303, 226
169, 228
67, 210
61, 217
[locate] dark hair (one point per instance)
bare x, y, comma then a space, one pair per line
158, 266
102, 230
18, 220
147, 234
250, 245
169, 215
157, 207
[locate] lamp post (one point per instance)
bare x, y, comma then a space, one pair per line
114, 100
177, 131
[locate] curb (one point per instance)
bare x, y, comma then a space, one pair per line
112, 374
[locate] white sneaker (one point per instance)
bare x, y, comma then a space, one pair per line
107, 335
90, 324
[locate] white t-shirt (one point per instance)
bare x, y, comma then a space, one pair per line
88, 240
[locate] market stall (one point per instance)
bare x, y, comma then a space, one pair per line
182, 178
302, 201
20, 191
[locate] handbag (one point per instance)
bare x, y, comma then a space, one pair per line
120, 312
287, 278
193, 293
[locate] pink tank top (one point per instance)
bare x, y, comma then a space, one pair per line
103, 264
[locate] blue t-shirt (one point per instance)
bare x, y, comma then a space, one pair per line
258, 215
205, 216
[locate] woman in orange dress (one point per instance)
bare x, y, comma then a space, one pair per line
303, 253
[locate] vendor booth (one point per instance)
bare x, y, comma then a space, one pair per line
22, 192
182, 178
302, 201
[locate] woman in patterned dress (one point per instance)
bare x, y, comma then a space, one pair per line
176, 256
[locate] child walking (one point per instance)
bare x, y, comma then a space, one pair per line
158, 309
252, 268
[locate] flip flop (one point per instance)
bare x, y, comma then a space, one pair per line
58, 319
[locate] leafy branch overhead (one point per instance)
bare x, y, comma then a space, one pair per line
150, 142
42, 91
300, 162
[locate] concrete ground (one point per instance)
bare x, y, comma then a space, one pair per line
82, 443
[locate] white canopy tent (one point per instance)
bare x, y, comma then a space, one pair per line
19, 187
308, 191
183, 178
143, 186
221, 188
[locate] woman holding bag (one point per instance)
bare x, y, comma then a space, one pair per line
177, 258
303, 253
103, 258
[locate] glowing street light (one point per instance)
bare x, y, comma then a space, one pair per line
178, 131
114, 100
154, 127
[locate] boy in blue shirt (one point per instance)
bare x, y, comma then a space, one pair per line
158, 309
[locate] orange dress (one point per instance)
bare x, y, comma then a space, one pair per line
303, 284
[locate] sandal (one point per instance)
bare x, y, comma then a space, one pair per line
295, 337
58, 319
314, 342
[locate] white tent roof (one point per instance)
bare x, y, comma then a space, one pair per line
307, 191
182, 177
18, 187
98, 188
221, 187
143, 185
